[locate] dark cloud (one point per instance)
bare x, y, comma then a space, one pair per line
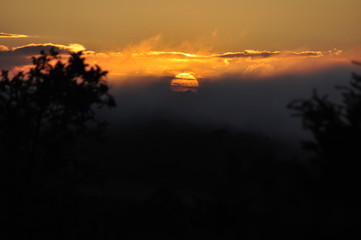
304, 54
243, 54
21, 55
255, 54
171, 54
266, 54
12, 35
33, 49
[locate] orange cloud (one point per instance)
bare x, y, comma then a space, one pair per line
3, 48
35, 48
12, 35
21, 55
247, 64
152, 58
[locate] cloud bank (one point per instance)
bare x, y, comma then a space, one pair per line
152, 58
146, 59
247, 89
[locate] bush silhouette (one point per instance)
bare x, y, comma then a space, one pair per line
45, 107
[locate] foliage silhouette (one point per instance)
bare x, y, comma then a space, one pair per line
43, 112
336, 127
51, 103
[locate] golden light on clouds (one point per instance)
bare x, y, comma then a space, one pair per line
3, 48
73, 47
144, 60
153, 58
12, 35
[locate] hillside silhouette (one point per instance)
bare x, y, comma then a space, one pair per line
64, 176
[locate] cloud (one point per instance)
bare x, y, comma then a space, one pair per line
243, 54
34, 49
152, 58
3, 48
170, 54
247, 89
21, 55
12, 35
252, 64
266, 54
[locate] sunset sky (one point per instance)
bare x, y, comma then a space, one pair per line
225, 25
302, 43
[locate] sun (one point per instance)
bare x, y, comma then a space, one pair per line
186, 76
184, 82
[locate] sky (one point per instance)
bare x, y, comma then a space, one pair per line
229, 25
250, 57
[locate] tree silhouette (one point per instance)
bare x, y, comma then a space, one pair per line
43, 112
51, 103
336, 128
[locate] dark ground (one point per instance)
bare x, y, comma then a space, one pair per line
174, 180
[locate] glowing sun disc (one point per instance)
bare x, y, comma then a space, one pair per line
185, 76
184, 82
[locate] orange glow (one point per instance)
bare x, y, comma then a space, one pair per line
153, 58
244, 65
141, 62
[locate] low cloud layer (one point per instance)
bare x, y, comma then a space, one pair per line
245, 89
147, 60
258, 106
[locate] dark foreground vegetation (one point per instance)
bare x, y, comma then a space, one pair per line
62, 177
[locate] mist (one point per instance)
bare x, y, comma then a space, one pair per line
258, 105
